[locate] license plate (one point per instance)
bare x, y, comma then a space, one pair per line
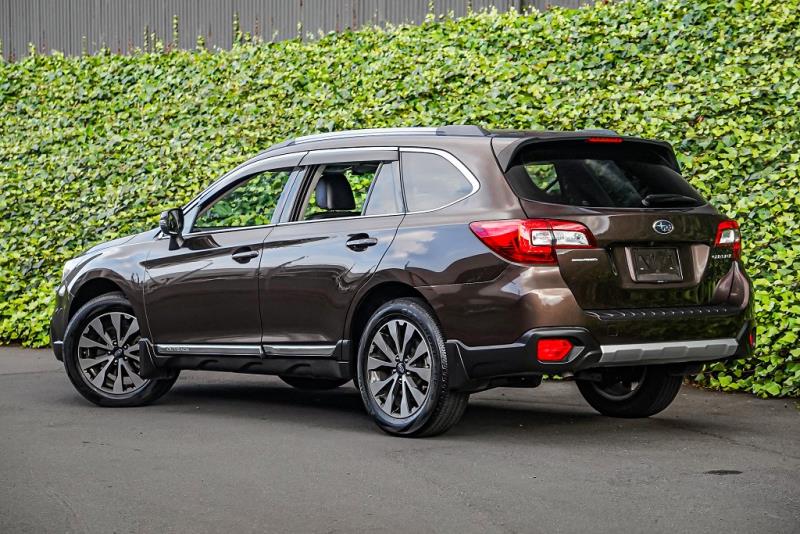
656, 265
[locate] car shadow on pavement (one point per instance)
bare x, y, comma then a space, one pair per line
491, 418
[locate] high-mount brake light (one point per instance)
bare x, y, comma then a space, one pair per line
728, 236
532, 241
613, 140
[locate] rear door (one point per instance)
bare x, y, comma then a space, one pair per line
314, 263
654, 232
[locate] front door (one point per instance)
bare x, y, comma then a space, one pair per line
202, 289
345, 218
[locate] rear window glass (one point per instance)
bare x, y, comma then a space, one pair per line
608, 176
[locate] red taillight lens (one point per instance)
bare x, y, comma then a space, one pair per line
532, 240
553, 349
728, 236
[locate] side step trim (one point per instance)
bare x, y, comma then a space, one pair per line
255, 351
667, 352
214, 350
322, 351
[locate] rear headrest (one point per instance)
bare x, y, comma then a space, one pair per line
333, 192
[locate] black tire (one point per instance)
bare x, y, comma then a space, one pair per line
441, 408
95, 308
655, 390
314, 384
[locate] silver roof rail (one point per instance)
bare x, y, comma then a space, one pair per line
365, 132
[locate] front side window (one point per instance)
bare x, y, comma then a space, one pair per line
430, 181
251, 203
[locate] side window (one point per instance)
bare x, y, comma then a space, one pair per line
430, 181
385, 196
251, 203
544, 177
352, 189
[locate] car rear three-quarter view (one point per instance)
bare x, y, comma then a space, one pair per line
425, 264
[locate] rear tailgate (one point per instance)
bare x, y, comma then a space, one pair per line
655, 234
633, 266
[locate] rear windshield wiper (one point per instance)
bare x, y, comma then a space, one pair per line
669, 199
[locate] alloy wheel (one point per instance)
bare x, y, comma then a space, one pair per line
399, 368
620, 387
108, 354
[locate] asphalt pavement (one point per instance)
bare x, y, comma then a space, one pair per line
237, 453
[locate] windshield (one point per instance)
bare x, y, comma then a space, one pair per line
578, 174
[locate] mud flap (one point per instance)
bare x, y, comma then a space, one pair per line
147, 362
456, 373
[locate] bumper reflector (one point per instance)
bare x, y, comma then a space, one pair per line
553, 349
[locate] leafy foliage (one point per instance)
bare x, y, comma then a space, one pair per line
93, 148
250, 204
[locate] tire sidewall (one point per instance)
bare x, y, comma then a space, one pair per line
422, 319
98, 306
656, 392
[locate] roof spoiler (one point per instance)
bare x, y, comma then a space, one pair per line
505, 154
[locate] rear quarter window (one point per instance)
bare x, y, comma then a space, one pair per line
430, 181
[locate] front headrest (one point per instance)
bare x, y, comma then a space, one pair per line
333, 192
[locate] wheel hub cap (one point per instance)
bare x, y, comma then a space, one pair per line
108, 354
399, 368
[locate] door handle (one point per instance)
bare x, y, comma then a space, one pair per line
244, 255
360, 242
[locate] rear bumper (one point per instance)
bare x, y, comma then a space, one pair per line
470, 367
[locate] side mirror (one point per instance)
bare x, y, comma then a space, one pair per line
171, 222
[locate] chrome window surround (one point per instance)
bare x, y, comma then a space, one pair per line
331, 155
455, 162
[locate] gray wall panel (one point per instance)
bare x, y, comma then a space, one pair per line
66, 25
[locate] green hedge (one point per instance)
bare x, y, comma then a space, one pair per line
92, 148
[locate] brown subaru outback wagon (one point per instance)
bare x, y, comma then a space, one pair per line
425, 264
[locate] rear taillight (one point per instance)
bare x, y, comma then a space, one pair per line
728, 237
553, 349
532, 241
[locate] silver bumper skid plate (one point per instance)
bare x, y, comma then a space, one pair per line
666, 352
